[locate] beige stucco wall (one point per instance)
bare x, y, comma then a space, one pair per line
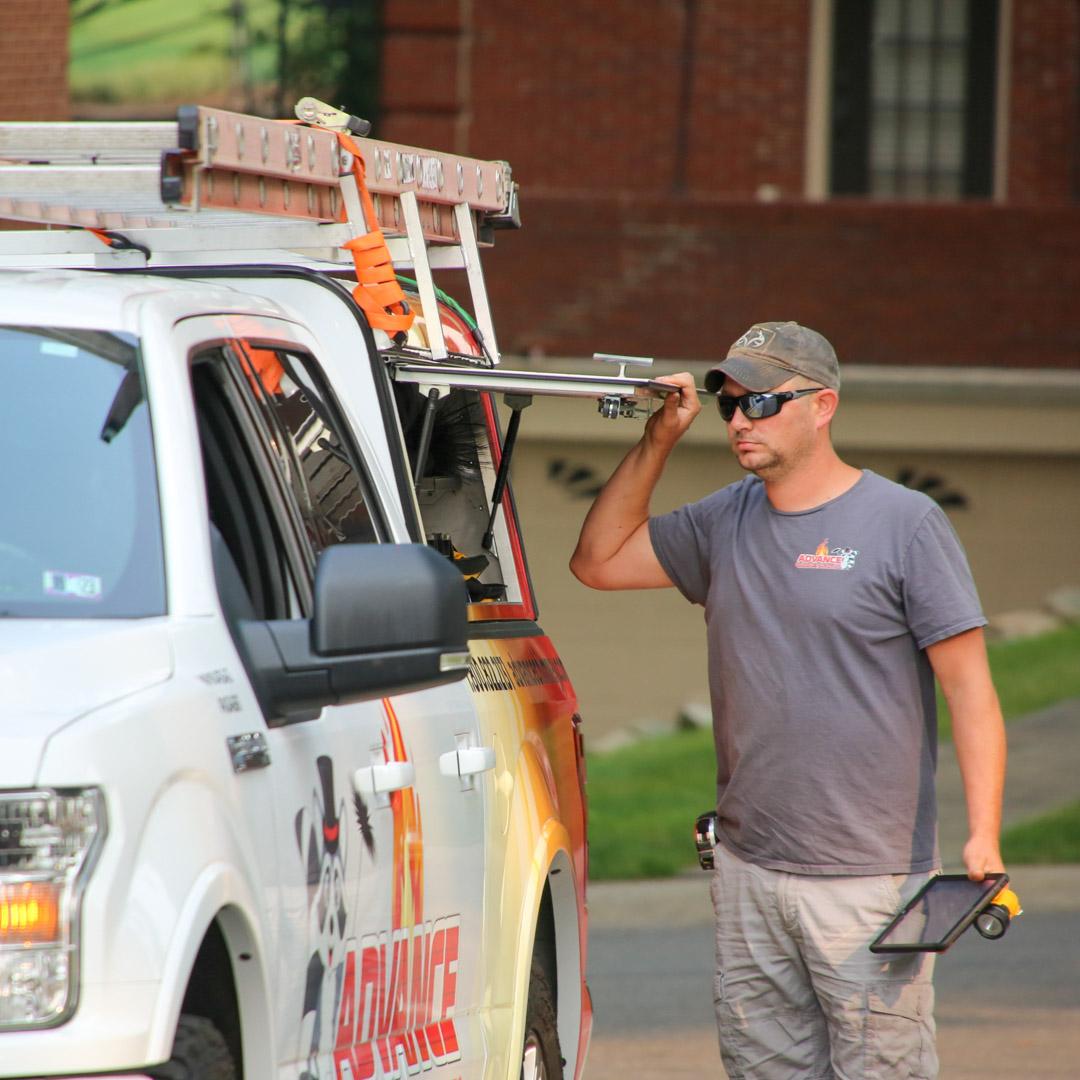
1010, 454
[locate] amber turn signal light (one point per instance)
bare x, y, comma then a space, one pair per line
29, 913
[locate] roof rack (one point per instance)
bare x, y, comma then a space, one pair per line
217, 183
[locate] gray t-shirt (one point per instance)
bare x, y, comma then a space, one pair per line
823, 699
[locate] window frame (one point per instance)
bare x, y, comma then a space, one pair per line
525, 608
340, 428
266, 480
263, 479
832, 150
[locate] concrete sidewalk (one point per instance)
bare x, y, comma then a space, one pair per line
1008, 1007
1043, 773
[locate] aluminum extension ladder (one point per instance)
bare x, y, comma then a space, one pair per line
216, 185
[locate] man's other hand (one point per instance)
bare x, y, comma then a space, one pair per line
982, 857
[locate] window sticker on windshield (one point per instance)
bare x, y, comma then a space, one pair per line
58, 348
82, 586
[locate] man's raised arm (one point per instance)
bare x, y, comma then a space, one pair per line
614, 550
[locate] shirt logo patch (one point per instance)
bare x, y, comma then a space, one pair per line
826, 558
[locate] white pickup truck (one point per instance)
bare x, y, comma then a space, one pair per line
291, 780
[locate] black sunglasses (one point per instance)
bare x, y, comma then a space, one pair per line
758, 406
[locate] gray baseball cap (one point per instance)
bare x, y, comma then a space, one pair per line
770, 353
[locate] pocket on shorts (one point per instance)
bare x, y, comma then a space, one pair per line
893, 884
728, 1029
900, 1031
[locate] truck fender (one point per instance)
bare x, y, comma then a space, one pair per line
550, 864
177, 890
213, 898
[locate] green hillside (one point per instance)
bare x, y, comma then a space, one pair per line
148, 51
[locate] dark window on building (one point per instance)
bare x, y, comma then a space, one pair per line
913, 93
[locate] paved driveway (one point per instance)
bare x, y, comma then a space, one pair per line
1004, 1008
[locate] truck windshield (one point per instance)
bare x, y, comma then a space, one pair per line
80, 526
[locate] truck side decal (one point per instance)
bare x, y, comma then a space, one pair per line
398, 1018
322, 849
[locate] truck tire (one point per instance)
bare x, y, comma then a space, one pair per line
541, 1056
199, 1053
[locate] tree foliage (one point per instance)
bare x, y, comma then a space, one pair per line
330, 50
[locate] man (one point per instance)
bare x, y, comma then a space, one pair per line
832, 598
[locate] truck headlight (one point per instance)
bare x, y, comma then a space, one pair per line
48, 843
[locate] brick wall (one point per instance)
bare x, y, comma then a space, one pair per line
580, 96
423, 93
1044, 118
748, 110
665, 96
33, 60
888, 284
679, 111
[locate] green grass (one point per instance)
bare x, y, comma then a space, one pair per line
1054, 838
1035, 672
154, 50
644, 798
643, 801
1030, 674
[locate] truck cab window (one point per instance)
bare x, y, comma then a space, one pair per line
453, 486
246, 535
80, 524
324, 471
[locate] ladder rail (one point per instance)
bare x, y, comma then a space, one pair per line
67, 160
117, 141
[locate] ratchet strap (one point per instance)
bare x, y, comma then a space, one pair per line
377, 290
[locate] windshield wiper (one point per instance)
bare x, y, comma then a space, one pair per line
109, 346
124, 403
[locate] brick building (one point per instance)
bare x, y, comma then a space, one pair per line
678, 158
34, 60
901, 174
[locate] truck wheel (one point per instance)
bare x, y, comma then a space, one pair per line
199, 1053
541, 1057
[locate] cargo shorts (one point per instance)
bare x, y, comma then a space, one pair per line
799, 995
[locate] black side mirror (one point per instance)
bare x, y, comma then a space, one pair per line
388, 619
400, 598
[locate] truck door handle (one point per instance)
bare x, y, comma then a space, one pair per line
391, 776
467, 761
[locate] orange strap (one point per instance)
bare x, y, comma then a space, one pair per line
262, 366
377, 290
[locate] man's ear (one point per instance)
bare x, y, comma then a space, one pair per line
825, 403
